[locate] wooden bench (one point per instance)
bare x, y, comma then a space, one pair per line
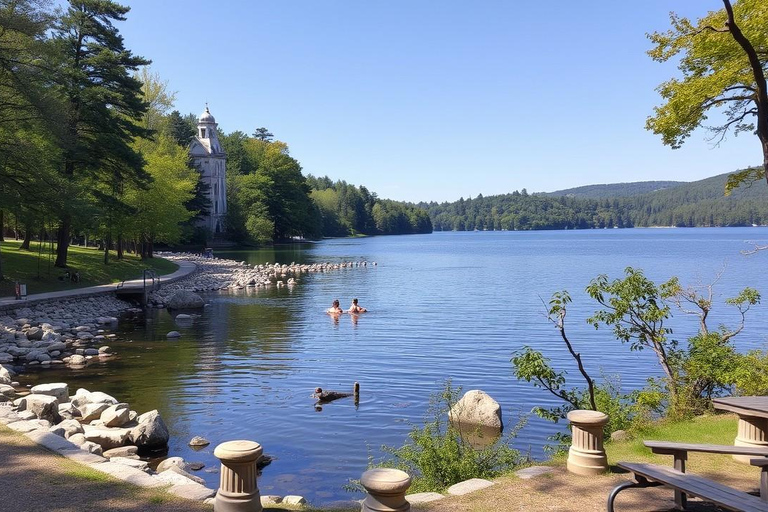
684, 484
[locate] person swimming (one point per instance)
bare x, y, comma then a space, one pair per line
335, 309
356, 308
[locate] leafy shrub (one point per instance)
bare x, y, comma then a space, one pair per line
438, 455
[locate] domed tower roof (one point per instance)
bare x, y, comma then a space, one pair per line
206, 117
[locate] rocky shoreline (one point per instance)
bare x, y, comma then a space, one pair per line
92, 427
76, 330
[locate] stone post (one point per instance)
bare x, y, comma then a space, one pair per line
386, 490
752, 434
238, 491
587, 455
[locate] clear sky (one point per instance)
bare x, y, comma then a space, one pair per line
433, 100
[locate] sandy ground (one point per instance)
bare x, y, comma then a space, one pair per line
561, 491
34, 479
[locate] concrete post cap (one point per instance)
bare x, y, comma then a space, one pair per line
385, 480
238, 451
588, 417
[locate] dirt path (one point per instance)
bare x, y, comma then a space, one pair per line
34, 479
561, 491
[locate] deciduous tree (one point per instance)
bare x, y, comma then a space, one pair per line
723, 59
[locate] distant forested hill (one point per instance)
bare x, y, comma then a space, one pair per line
616, 189
699, 203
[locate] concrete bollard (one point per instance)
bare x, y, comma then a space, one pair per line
238, 491
587, 454
386, 490
752, 434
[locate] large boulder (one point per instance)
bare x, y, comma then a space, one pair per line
476, 409
44, 407
59, 390
185, 299
90, 412
151, 431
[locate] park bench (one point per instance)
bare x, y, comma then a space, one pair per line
685, 484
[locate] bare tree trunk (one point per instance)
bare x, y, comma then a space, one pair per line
2, 224
120, 246
62, 241
761, 91
27, 238
107, 244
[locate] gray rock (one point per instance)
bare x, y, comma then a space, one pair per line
77, 439
68, 411
5, 375
199, 441
91, 352
7, 391
270, 499
173, 334
620, 435
196, 466
90, 412
183, 473
467, 486
292, 499
35, 334
71, 427
151, 431
26, 415
184, 299
44, 407
115, 415
105, 350
130, 462
170, 462
123, 451
58, 390
29, 425
107, 438
533, 472
423, 497
91, 447
77, 360
476, 408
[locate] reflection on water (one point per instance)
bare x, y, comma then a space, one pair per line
443, 305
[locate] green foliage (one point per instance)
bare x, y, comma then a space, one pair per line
349, 210
718, 74
437, 455
751, 374
699, 203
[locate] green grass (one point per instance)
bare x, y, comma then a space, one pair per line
41, 276
88, 474
710, 429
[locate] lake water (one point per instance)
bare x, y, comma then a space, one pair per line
445, 305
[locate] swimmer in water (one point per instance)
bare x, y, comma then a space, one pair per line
335, 309
355, 308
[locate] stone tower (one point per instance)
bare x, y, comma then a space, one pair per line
211, 161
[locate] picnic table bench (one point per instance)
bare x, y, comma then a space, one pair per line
685, 484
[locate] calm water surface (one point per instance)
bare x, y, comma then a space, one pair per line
446, 305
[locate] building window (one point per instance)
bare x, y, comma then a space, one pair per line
202, 132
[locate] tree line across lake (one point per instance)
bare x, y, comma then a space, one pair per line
697, 204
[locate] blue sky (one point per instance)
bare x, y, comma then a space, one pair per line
427, 100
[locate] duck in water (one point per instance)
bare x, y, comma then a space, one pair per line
323, 397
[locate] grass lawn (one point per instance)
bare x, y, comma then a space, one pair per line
563, 491
41, 276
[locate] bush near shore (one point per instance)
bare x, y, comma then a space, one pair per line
89, 262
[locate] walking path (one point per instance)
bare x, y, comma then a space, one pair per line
185, 268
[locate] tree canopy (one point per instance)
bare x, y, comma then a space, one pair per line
723, 59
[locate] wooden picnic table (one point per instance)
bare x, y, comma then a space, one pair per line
753, 420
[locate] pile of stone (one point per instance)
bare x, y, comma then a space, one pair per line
41, 338
107, 430
222, 274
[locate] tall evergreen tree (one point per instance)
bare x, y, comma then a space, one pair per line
104, 102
